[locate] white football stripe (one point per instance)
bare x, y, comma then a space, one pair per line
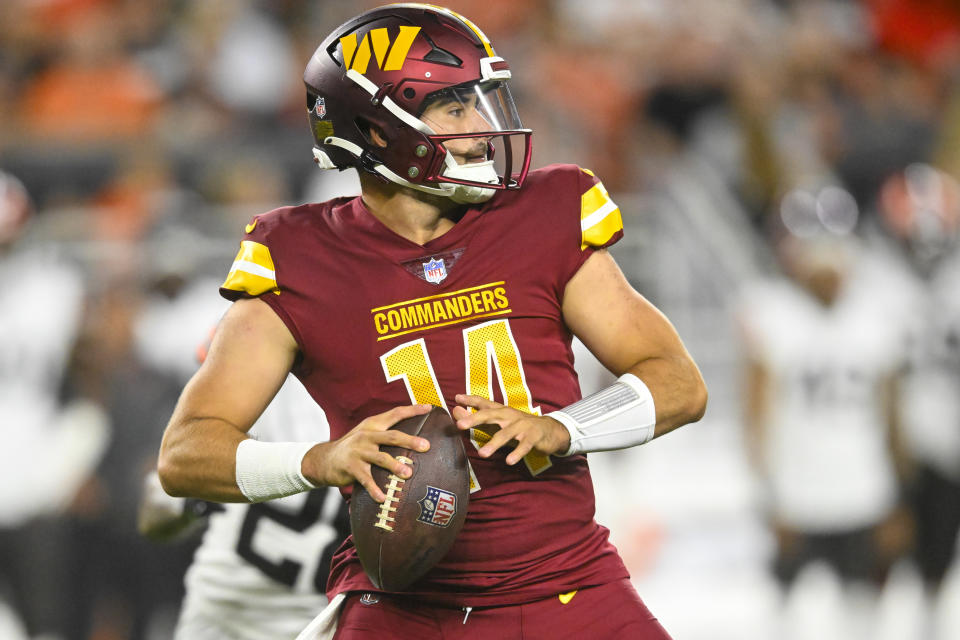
253, 269
597, 216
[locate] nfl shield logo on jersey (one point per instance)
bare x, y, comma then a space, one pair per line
434, 271
437, 507
320, 108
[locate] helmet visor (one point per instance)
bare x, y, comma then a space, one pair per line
477, 123
472, 107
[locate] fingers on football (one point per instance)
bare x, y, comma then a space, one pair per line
391, 464
388, 462
389, 418
362, 475
373, 489
401, 440
385, 420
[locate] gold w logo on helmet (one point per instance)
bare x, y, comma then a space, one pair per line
376, 43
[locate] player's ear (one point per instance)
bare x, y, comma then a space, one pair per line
374, 133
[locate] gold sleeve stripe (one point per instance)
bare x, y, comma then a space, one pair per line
599, 217
593, 200
252, 271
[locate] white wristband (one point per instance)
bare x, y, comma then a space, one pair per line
619, 416
268, 470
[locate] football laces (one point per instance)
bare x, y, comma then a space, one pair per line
393, 489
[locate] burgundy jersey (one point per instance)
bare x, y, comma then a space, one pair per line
382, 321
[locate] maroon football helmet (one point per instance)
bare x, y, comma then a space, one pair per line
378, 73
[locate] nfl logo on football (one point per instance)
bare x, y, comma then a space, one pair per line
437, 507
434, 271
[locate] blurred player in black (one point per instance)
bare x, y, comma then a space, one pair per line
919, 220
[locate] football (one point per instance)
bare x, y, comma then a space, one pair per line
399, 540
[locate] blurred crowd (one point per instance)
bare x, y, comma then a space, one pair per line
775, 161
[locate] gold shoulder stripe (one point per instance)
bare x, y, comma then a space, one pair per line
595, 198
252, 271
599, 217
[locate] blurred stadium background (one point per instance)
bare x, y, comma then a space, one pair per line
147, 132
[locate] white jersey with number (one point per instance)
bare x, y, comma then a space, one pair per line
930, 386
48, 448
826, 435
260, 571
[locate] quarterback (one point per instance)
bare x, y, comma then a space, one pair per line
457, 279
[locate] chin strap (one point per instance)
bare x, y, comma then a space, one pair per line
459, 193
323, 160
475, 172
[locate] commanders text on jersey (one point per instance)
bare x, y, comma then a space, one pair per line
440, 310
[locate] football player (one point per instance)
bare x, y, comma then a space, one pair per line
51, 446
820, 405
920, 224
457, 279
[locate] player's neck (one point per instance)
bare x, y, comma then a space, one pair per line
416, 216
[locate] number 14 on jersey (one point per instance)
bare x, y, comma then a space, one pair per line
488, 348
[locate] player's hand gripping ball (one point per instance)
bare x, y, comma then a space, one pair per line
401, 539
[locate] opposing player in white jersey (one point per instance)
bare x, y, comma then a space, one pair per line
821, 368
50, 447
53, 447
919, 232
261, 569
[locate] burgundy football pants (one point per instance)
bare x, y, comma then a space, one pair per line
611, 611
